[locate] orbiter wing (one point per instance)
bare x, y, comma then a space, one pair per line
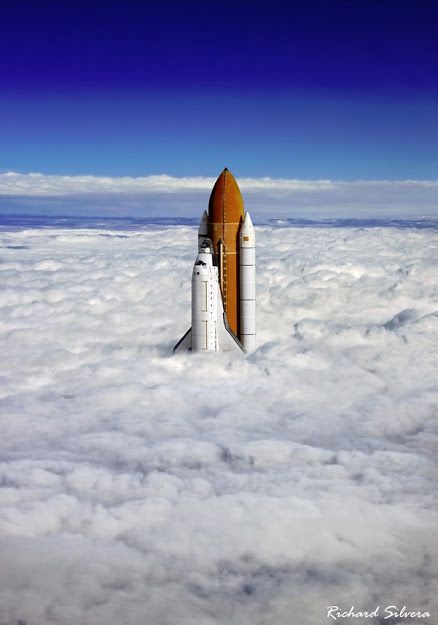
226, 340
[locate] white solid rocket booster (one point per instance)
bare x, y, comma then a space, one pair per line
247, 284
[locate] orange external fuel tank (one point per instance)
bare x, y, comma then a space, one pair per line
224, 276
225, 216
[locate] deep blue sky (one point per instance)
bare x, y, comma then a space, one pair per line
339, 89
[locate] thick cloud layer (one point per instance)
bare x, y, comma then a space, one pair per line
147, 489
168, 195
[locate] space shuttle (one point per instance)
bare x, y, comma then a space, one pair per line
223, 277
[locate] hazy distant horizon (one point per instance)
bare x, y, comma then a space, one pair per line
187, 196
95, 222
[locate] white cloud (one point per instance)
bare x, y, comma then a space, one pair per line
153, 195
144, 488
45, 184
42, 184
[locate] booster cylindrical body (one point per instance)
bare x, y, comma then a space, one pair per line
247, 284
204, 303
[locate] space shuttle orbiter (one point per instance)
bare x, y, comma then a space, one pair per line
223, 278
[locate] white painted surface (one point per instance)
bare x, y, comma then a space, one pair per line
247, 284
204, 301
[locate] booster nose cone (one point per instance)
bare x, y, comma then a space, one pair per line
226, 203
203, 226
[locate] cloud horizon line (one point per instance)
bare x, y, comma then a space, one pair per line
39, 184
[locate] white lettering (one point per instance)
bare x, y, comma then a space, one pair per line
391, 611
335, 612
330, 610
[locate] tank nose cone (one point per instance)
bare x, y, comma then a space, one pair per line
226, 203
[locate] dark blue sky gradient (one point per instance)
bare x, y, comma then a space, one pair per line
340, 89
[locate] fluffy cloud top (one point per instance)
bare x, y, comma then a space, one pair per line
142, 488
151, 195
